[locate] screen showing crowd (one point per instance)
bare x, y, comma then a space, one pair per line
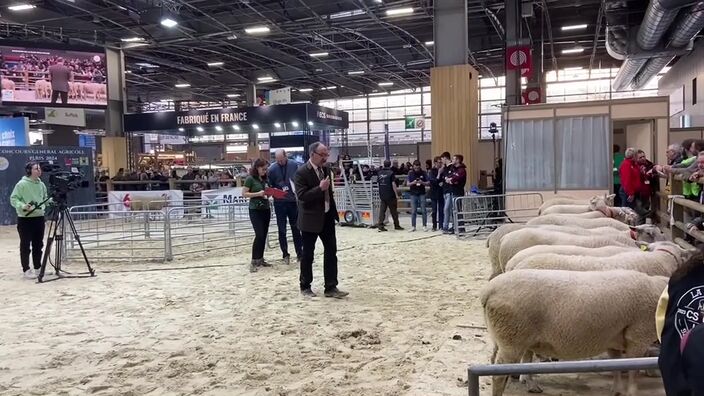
33, 75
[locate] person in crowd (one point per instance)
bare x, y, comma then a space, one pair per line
428, 165
618, 159
650, 182
259, 212
188, 177
174, 175
675, 154
366, 172
119, 177
281, 174
29, 198
213, 178
437, 201
199, 185
417, 181
444, 173
680, 331
630, 179
388, 194
692, 147
59, 76
395, 168
317, 217
457, 180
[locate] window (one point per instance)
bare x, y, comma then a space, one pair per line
694, 91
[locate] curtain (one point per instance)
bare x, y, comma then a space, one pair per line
583, 152
530, 155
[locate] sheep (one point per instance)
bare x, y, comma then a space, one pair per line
7, 84
571, 315
659, 259
566, 220
494, 241
42, 89
604, 251
525, 238
608, 199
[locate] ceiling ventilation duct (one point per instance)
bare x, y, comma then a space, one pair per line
683, 33
657, 20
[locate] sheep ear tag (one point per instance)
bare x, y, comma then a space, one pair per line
643, 247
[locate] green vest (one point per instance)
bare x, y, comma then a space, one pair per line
690, 189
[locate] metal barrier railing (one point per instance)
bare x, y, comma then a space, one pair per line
161, 234
478, 215
567, 367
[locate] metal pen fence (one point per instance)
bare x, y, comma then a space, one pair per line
478, 215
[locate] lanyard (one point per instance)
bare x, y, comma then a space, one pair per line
284, 171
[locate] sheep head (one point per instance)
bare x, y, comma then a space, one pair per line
625, 215
681, 254
648, 233
610, 199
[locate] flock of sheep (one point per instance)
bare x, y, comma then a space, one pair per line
578, 281
76, 90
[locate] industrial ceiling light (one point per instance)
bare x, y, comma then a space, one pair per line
319, 54
236, 127
430, 43
295, 124
310, 123
181, 130
168, 22
574, 27
356, 72
386, 84
328, 88
215, 64
132, 39
305, 89
233, 95
576, 50
255, 126
277, 124
265, 78
182, 85
257, 30
218, 128
199, 128
21, 7
399, 11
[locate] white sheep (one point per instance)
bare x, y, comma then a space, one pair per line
571, 315
493, 242
608, 200
659, 259
518, 240
603, 251
570, 221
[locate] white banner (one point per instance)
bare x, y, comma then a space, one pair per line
124, 202
62, 116
215, 198
279, 96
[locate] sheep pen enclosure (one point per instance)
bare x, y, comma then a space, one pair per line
205, 325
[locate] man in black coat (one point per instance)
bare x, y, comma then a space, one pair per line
317, 215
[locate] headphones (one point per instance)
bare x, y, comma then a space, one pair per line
28, 168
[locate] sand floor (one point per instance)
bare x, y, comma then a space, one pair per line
205, 325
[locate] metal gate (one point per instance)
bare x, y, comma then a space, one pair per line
357, 201
478, 215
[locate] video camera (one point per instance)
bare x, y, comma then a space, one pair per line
62, 181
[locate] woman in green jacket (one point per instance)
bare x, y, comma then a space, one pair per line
29, 198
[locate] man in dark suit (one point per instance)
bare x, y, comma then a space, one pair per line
317, 215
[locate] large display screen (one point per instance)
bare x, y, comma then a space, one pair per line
53, 76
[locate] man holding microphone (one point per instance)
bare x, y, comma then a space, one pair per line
28, 198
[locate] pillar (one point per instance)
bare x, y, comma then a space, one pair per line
454, 87
114, 154
116, 108
252, 146
513, 38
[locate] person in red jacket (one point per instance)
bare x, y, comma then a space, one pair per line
631, 184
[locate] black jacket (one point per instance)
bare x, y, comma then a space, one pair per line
311, 199
685, 310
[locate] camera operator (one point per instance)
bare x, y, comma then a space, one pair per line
29, 197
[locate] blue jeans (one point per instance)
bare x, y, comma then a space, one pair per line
288, 210
448, 210
438, 212
418, 201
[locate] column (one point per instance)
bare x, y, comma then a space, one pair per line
513, 38
454, 87
252, 146
114, 143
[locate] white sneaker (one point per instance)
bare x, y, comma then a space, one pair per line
29, 274
413, 229
425, 229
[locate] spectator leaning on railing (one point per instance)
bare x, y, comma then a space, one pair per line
630, 179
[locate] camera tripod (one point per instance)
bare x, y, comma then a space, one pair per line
60, 215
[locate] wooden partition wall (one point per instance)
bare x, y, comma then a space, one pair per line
454, 103
114, 153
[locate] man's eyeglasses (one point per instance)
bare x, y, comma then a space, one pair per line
322, 155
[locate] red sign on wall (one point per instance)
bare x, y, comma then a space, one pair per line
532, 96
521, 58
